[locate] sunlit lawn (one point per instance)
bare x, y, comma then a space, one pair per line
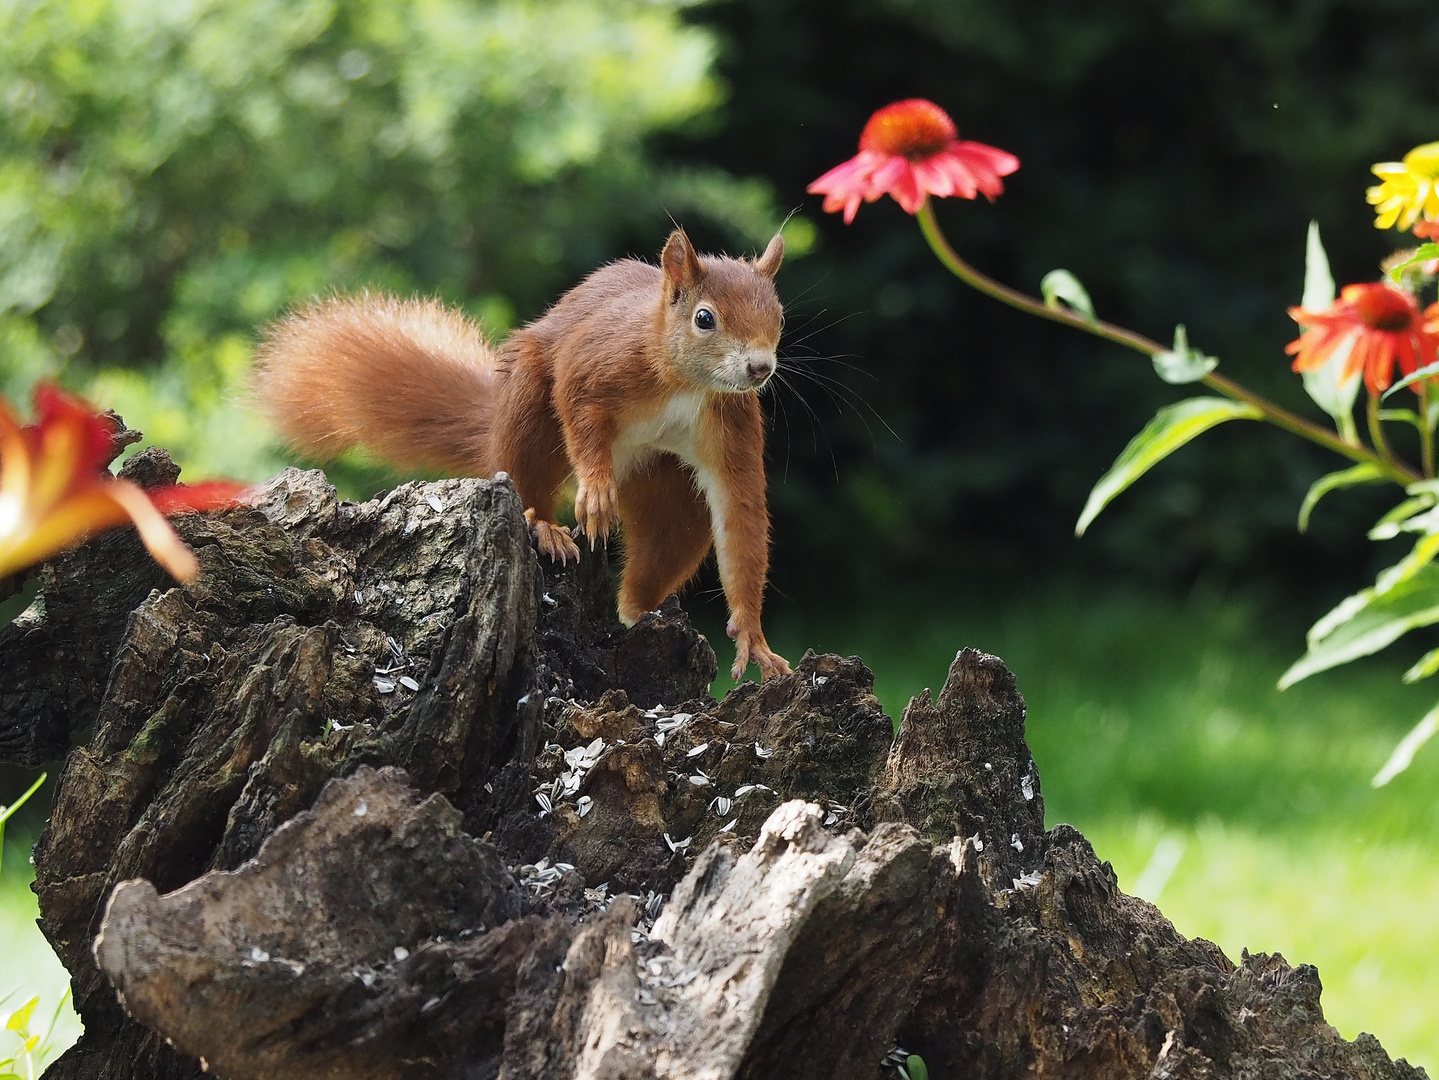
27, 966
1246, 812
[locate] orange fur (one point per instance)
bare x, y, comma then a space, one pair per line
641, 382
410, 380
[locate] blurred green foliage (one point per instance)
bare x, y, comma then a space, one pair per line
173, 174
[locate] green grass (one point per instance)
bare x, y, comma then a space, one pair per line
1158, 732
27, 966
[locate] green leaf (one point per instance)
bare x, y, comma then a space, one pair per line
1424, 487
47, 1043
1326, 385
1422, 554
1172, 427
1318, 281
20, 1018
1331, 389
1392, 523
1425, 666
1402, 416
1368, 621
1181, 364
1062, 286
1403, 754
916, 1067
1363, 473
1409, 380
1423, 253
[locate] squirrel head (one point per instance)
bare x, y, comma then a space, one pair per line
721, 316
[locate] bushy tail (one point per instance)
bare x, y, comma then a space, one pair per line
411, 381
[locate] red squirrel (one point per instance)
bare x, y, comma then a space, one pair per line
641, 382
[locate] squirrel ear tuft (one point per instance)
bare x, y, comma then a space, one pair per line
679, 261
768, 263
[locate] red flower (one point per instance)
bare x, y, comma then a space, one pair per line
1383, 325
908, 150
55, 490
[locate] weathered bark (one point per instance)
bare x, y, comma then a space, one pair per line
361, 803
345, 887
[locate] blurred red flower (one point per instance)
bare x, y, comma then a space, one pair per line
1382, 325
55, 490
908, 150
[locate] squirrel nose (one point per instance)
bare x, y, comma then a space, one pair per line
759, 370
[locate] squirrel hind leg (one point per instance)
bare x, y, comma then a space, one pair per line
666, 534
751, 648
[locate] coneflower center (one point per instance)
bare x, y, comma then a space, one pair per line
1382, 308
913, 129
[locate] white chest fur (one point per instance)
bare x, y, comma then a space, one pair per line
672, 428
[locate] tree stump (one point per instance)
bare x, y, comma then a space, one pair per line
381, 795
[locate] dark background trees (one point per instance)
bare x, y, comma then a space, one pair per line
1172, 156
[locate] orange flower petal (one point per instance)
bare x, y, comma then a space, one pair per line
55, 491
159, 538
14, 460
64, 526
95, 434
210, 495
60, 462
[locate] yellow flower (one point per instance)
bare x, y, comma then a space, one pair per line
1410, 188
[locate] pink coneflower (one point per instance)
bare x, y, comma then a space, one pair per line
909, 150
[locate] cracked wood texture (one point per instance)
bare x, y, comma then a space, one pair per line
382, 795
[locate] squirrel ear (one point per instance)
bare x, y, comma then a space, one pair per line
768, 263
679, 261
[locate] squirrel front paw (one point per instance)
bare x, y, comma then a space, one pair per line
751, 647
554, 541
597, 508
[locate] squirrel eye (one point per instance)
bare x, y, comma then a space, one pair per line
704, 319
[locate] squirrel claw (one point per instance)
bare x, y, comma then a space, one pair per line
750, 647
597, 508
554, 541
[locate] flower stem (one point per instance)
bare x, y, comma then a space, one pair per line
1397, 471
1016, 299
1376, 430
1426, 430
